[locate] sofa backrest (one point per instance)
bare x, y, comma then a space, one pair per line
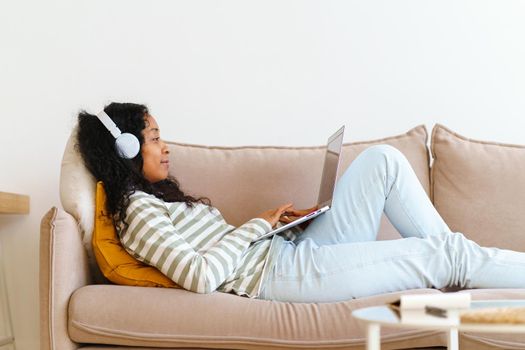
244, 181
478, 187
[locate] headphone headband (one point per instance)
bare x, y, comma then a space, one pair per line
127, 145
109, 124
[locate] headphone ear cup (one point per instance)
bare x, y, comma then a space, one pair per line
128, 146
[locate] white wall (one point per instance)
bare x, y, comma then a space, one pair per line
242, 72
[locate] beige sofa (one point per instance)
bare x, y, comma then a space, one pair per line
476, 186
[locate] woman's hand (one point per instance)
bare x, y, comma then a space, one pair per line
273, 215
292, 214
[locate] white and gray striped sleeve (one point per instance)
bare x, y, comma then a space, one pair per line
152, 237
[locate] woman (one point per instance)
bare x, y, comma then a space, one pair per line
336, 257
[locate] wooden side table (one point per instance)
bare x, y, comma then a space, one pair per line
10, 203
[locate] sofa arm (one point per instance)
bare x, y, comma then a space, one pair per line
63, 269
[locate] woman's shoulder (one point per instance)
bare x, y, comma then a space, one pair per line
140, 197
143, 201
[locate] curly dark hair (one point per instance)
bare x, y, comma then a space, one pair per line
122, 177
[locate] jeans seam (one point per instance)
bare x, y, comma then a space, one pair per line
412, 221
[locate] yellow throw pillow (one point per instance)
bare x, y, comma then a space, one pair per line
114, 261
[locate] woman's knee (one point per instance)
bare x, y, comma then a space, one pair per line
378, 160
384, 151
384, 159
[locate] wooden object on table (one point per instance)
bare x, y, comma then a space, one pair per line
12, 203
495, 315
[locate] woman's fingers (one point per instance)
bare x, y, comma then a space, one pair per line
279, 211
288, 218
302, 212
284, 208
285, 219
296, 212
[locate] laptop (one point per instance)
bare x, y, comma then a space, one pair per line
328, 179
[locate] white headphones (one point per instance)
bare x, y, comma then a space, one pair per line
127, 145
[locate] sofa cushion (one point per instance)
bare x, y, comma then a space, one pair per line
77, 195
152, 317
478, 187
114, 261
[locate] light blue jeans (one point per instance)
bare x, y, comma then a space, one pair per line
338, 258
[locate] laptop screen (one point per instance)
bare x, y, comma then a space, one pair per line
331, 164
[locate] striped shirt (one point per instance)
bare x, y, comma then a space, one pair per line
196, 248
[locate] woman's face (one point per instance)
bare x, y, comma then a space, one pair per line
154, 152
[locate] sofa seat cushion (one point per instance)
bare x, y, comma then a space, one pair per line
161, 317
